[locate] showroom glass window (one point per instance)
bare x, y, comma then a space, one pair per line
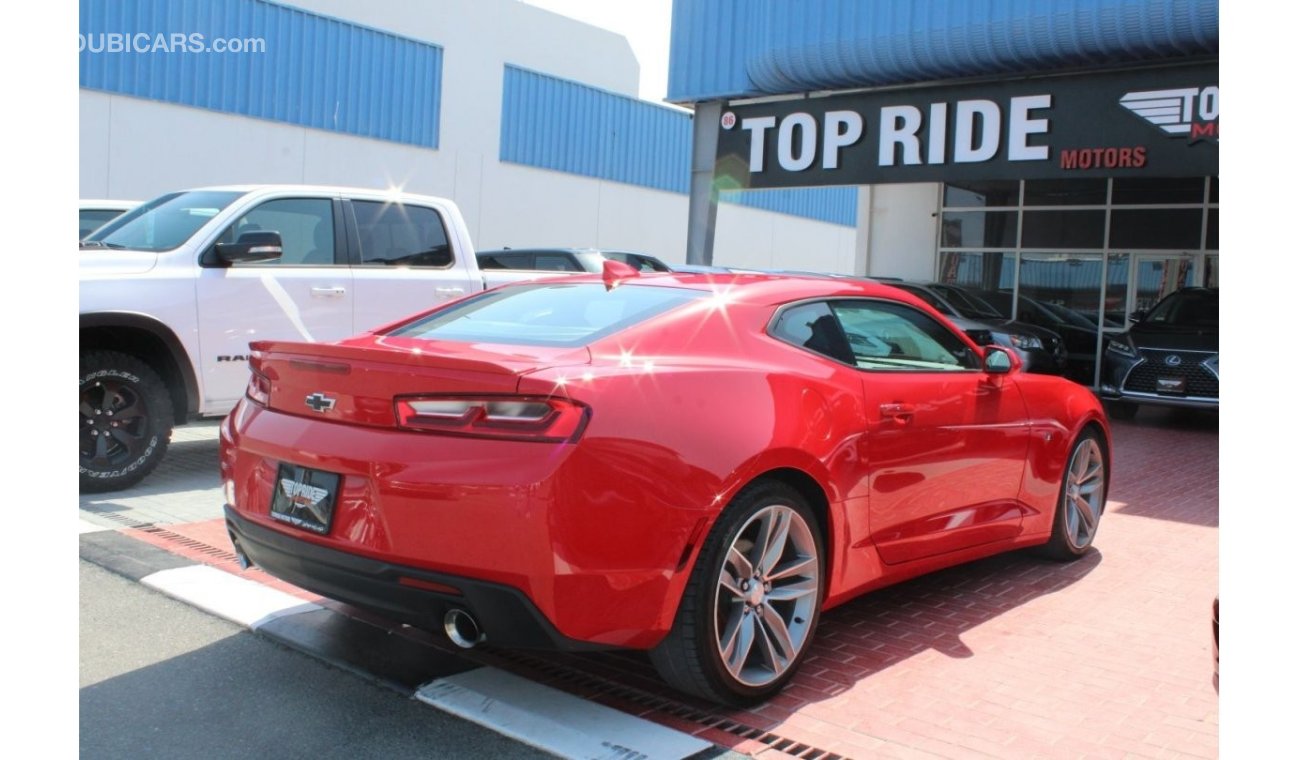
1079, 256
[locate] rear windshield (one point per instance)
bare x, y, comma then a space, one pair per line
548, 314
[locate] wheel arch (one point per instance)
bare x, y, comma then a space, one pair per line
801, 474
152, 342
812, 492
1099, 426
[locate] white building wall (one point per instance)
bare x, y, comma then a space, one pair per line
137, 149
901, 230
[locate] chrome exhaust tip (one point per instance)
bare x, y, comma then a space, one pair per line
462, 629
240, 555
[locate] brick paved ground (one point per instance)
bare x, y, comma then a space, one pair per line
1009, 657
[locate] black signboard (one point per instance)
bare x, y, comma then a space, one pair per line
1160, 122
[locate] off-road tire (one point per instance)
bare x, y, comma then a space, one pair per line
126, 420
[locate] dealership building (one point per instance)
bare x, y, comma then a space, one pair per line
1058, 157
528, 120
1065, 152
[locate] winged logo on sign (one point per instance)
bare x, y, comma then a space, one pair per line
304, 496
1171, 110
1190, 111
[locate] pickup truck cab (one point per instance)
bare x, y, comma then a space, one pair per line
172, 292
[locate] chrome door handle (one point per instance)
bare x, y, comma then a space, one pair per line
900, 413
327, 292
449, 291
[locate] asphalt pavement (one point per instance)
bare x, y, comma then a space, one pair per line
159, 678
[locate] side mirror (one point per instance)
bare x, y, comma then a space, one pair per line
999, 361
1138, 315
261, 245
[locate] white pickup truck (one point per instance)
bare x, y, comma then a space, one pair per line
172, 293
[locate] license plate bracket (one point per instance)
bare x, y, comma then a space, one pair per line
1171, 385
305, 498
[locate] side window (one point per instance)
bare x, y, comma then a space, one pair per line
505, 261
639, 263
928, 297
393, 234
893, 336
556, 262
814, 327
306, 227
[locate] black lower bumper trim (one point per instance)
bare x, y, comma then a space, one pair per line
507, 617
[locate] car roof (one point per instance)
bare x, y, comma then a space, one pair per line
754, 288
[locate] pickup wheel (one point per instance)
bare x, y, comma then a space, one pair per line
126, 420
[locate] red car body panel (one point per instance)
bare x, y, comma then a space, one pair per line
911, 471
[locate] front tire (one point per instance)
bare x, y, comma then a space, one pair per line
749, 611
126, 420
1121, 410
1082, 499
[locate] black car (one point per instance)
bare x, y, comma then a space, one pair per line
1078, 333
1040, 350
1168, 357
566, 260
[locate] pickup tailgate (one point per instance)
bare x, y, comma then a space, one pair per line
355, 381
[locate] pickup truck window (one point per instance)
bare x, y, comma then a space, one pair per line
393, 234
163, 223
306, 227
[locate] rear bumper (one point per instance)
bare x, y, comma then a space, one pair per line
582, 542
504, 614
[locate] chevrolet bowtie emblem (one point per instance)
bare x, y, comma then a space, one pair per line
320, 402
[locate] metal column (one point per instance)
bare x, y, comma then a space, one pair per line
702, 215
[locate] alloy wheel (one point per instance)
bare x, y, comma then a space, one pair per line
1085, 490
766, 594
114, 424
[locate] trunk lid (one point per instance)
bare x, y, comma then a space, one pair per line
355, 381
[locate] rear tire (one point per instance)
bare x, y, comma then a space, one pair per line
126, 420
748, 614
1082, 499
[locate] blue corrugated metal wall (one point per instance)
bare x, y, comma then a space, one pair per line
837, 205
558, 124
733, 48
315, 72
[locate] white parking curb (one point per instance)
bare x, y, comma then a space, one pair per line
553, 720
238, 600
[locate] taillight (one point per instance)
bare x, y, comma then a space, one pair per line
259, 385
528, 418
259, 388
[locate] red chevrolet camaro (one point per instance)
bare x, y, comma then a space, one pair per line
691, 464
